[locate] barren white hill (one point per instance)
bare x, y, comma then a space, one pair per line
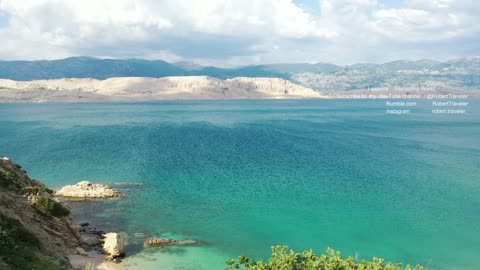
142, 89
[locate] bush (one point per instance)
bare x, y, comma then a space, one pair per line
7, 241
307, 260
35, 190
50, 207
10, 180
19, 247
13, 235
89, 266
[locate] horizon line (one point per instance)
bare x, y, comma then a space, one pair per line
248, 65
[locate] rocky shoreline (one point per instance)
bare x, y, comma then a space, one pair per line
67, 243
96, 245
104, 250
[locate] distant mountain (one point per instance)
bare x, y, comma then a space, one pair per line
147, 89
86, 67
299, 68
455, 74
188, 66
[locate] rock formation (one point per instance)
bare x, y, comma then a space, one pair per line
85, 189
114, 245
156, 242
141, 89
53, 239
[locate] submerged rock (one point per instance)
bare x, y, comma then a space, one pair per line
114, 245
156, 242
186, 242
86, 189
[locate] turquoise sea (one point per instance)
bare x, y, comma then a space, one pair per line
241, 176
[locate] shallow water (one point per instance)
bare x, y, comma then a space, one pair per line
241, 176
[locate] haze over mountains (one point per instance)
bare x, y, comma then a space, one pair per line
455, 74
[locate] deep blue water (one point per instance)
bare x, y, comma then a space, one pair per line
241, 176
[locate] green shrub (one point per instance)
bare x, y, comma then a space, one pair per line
13, 235
7, 241
35, 190
19, 247
89, 266
283, 259
10, 180
50, 207
20, 168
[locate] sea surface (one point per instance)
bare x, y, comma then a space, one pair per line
241, 176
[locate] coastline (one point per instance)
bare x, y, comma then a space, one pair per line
342, 95
97, 216
92, 234
198, 88
40, 229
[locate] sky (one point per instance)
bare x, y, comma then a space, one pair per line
240, 32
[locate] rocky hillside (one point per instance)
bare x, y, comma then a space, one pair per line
141, 88
454, 74
36, 232
461, 74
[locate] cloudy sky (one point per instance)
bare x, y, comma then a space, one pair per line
240, 32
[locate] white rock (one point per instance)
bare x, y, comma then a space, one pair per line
85, 189
139, 88
114, 245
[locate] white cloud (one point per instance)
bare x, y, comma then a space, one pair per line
236, 31
422, 21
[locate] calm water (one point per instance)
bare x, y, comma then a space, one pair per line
240, 176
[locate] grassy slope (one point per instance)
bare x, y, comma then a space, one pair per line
19, 248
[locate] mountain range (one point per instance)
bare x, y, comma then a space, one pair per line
461, 73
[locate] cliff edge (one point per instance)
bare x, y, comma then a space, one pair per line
36, 231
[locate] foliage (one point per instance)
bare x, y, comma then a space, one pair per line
7, 241
50, 207
13, 235
36, 189
20, 249
89, 266
283, 259
10, 180
17, 246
